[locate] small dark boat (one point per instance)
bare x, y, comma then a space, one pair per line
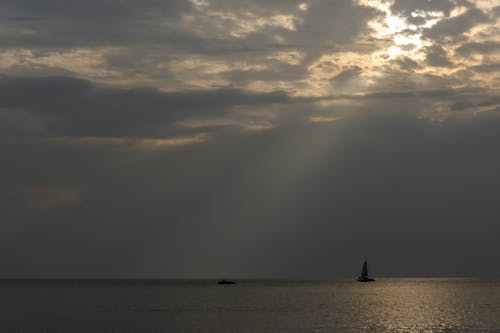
364, 274
226, 282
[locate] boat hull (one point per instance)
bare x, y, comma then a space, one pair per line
365, 279
225, 282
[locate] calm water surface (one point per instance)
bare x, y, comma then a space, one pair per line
389, 305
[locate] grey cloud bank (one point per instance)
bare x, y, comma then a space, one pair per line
263, 139
296, 201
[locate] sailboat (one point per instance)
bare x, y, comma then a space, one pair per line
364, 274
224, 281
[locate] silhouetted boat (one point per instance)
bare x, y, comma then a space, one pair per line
225, 282
364, 274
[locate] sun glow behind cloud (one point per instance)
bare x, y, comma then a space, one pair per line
396, 37
406, 37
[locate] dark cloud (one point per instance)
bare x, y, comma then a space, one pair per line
76, 107
496, 11
346, 76
408, 6
476, 102
470, 48
406, 63
436, 56
456, 26
58, 23
330, 22
61, 24
91, 15
486, 67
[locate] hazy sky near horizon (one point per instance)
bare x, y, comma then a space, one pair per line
266, 138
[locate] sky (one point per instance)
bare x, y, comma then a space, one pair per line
257, 139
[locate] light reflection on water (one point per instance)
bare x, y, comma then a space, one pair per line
389, 305
440, 305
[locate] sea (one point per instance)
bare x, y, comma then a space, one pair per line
154, 306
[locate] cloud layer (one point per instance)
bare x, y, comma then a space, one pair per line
226, 138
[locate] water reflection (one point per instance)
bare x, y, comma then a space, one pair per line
427, 305
388, 305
